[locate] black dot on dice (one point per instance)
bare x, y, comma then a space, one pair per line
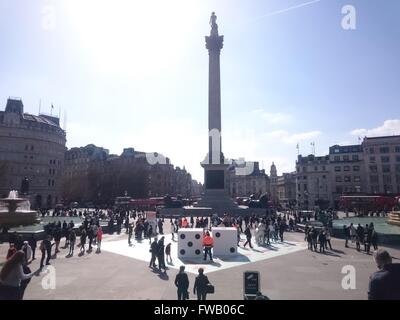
197, 252
190, 244
183, 236
182, 252
232, 250
197, 236
217, 234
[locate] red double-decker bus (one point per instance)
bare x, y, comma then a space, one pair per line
365, 204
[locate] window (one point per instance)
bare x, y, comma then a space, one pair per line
336, 158
386, 168
398, 158
371, 150
387, 179
304, 169
347, 179
324, 177
354, 157
52, 183
48, 182
49, 171
356, 178
298, 187
346, 158
315, 168
373, 169
357, 189
337, 169
338, 179
26, 147
374, 189
397, 167
372, 159
374, 179
385, 159
356, 168
397, 149
346, 168
323, 168
348, 189
339, 189
304, 177
305, 187
32, 148
384, 149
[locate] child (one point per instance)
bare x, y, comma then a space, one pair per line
168, 252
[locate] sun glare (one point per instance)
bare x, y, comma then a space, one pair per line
128, 37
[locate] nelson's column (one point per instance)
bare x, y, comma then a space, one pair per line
215, 189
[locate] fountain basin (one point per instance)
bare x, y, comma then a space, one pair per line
16, 211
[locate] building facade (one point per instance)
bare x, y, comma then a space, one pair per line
382, 164
286, 189
244, 185
313, 182
370, 168
31, 147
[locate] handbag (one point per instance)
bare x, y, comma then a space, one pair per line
210, 288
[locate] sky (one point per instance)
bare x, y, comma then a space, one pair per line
134, 73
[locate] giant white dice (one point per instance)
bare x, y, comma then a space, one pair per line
225, 241
190, 242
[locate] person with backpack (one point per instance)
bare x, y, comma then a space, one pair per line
200, 285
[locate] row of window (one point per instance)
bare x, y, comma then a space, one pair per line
384, 159
348, 179
348, 189
50, 183
386, 168
347, 168
346, 157
384, 149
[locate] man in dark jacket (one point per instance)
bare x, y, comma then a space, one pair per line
200, 285
182, 283
385, 283
154, 251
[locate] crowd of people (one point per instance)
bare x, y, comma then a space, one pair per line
361, 236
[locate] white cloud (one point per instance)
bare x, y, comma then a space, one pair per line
273, 117
286, 137
389, 128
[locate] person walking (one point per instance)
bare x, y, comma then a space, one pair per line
385, 283
11, 276
282, 228
130, 231
208, 243
321, 239
247, 232
83, 242
33, 243
182, 283
374, 239
168, 252
72, 240
310, 238
200, 285
160, 255
347, 235
99, 237
328, 239
153, 251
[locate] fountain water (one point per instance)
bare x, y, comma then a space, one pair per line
16, 211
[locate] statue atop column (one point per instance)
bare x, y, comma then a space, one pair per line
213, 24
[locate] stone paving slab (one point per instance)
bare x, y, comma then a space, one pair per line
140, 251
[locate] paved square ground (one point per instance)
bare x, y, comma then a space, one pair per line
298, 275
140, 251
